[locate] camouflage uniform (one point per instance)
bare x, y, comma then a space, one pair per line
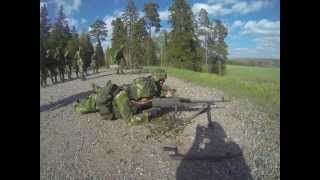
80, 63
94, 64
61, 62
75, 61
119, 59
122, 108
43, 69
52, 65
68, 60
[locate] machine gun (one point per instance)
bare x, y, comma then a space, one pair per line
181, 104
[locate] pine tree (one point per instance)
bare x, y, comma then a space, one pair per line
87, 49
183, 43
139, 40
217, 47
44, 27
118, 35
99, 30
73, 43
107, 57
152, 19
130, 17
100, 54
74, 33
203, 26
60, 33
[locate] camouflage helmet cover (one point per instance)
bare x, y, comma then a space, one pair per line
142, 87
159, 74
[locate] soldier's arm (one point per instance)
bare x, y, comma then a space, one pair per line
122, 103
166, 91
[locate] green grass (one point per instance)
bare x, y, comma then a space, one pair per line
260, 85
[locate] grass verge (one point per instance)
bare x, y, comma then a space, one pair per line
260, 85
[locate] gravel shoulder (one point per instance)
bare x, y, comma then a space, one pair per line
74, 146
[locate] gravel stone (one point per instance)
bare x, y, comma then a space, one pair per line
76, 146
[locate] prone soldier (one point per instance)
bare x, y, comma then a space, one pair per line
130, 102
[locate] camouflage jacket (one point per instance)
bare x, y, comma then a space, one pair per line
122, 108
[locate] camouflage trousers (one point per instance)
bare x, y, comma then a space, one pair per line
69, 71
44, 76
120, 69
53, 75
123, 110
61, 73
82, 73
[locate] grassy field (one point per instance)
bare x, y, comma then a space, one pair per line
260, 85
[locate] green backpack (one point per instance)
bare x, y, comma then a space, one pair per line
104, 100
100, 101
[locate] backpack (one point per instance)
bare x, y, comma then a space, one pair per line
104, 100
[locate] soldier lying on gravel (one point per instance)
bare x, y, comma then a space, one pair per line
130, 102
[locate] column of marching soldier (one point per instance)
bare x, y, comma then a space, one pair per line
59, 62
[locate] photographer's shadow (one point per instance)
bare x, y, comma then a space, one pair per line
212, 157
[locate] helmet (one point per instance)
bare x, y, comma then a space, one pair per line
142, 87
159, 74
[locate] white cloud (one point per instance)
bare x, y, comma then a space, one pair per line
246, 7
214, 9
69, 7
266, 35
83, 20
108, 20
224, 2
225, 7
72, 22
236, 24
263, 27
164, 15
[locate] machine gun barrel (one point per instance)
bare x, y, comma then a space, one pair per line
180, 102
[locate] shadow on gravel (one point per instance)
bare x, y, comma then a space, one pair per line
95, 77
212, 157
65, 101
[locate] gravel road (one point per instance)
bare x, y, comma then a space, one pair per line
243, 142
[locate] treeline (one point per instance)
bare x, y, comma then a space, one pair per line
257, 63
194, 41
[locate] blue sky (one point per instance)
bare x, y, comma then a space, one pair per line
253, 25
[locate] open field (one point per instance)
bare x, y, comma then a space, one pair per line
259, 85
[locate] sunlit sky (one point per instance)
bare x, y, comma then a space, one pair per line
253, 25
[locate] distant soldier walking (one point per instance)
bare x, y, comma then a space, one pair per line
75, 61
94, 60
80, 64
52, 65
68, 60
119, 59
61, 62
43, 69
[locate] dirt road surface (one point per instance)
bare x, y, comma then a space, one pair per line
239, 145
